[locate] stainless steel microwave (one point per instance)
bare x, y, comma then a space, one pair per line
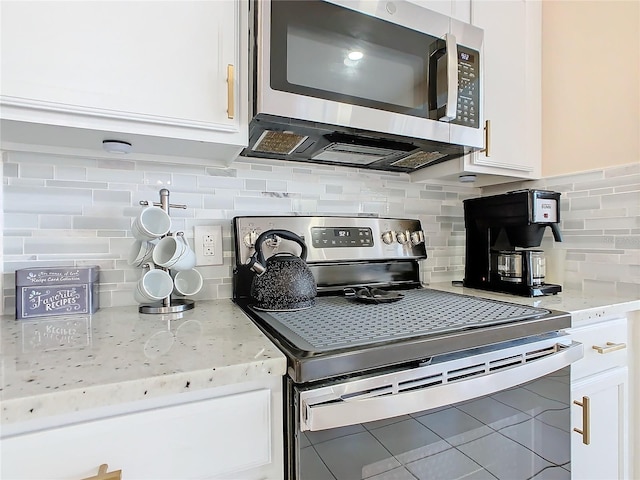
386, 85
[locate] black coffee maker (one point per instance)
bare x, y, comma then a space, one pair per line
502, 232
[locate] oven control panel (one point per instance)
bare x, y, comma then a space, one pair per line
330, 239
335, 237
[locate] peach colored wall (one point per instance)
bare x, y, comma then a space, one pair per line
590, 85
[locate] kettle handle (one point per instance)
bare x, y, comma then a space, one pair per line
258, 256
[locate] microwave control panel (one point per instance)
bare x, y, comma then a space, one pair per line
468, 113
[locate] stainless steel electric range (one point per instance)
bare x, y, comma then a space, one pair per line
379, 351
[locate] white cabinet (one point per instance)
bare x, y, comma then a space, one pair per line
600, 396
168, 77
512, 67
600, 452
237, 434
458, 9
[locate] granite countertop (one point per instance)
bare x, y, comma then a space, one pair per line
59, 365
584, 307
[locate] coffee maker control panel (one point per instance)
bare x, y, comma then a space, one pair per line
545, 210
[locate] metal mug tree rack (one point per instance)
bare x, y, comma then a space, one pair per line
169, 305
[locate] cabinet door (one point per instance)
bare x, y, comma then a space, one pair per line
458, 9
512, 87
144, 64
603, 416
204, 439
161, 59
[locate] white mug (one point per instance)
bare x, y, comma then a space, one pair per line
187, 282
140, 252
174, 252
155, 285
151, 223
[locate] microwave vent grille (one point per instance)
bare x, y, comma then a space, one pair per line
282, 143
419, 159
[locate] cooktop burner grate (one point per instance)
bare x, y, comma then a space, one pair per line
339, 322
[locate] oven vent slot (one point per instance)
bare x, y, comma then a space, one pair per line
505, 363
462, 373
544, 352
424, 382
369, 392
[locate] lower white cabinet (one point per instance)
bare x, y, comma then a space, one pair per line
600, 451
600, 402
236, 435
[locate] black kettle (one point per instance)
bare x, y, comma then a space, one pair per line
285, 281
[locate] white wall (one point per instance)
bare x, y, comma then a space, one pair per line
590, 85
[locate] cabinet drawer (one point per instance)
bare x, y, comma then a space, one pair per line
610, 336
196, 440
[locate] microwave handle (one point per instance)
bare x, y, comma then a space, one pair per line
452, 78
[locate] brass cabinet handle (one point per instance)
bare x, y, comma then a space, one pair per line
611, 347
586, 414
104, 475
487, 138
230, 96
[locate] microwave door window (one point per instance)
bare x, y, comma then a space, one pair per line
326, 51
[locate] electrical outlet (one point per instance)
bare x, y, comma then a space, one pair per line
207, 242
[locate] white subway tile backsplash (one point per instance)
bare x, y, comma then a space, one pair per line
624, 170
20, 220
36, 171
220, 182
112, 196
78, 212
39, 200
586, 203
621, 200
57, 222
613, 222
57, 245
627, 242
258, 185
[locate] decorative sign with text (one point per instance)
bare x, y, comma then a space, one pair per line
42, 292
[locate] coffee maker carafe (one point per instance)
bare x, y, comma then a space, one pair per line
502, 236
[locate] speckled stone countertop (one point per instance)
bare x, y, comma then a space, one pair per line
58, 365
585, 307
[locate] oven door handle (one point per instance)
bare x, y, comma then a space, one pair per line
334, 414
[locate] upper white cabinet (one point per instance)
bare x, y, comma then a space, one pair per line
169, 77
512, 95
458, 9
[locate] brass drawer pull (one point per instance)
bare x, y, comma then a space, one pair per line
586, 413
104, 475
611, 347
230, 95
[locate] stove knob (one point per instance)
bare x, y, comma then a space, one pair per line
417, 237
402, 237
387, 237
250, 238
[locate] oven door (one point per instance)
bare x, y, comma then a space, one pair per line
395, 68
499, 412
